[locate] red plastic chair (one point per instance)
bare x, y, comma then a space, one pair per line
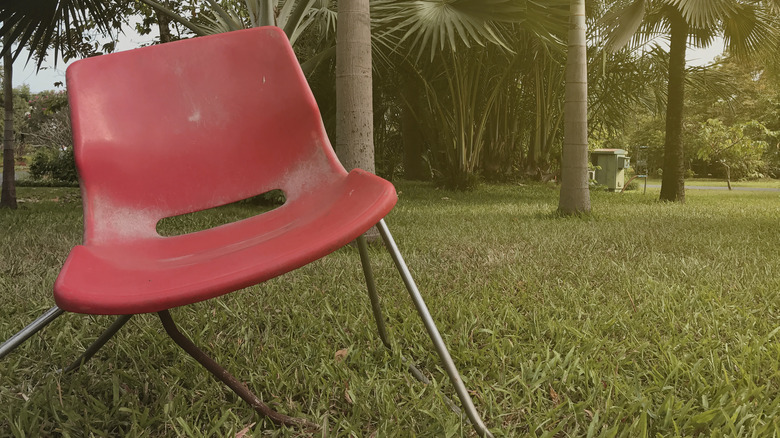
186, 126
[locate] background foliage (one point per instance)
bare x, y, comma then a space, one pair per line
466, 93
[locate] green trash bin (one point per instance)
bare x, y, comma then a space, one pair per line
611, 166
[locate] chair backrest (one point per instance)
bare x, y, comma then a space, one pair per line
185, 126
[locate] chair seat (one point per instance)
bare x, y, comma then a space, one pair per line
158, 273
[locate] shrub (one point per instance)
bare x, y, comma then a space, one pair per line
54, 165
456, 179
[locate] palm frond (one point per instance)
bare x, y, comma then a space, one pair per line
290, 19
433, 25
704, 13
323, 15
709, 81
622, 23
702, 37
429, 25
655, 27
285, 10
261, 12
546, 20
227, 20
219, 24
615, 82
654, 77
749, 29
774, 6
195, 28
44, 24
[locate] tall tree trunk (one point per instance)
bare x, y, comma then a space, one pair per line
8, 195
163, 23
354, 113
673, 181
354, 90
575, 194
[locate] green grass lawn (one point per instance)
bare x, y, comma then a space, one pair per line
712, 182
645, 319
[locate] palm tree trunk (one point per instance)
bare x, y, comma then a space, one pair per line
354, 113
354, 91
673, 181
8, 195
575, 194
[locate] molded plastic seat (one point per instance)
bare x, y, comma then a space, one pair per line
158, 273
173, 129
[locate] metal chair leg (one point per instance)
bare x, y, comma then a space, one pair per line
35, 326
380, 321
99, 343
433, 332
371, 285
225, 377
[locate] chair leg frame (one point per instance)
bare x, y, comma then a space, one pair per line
225, 377
99, 343
425, 315
376, 307
380, 321
239, 388
31, 329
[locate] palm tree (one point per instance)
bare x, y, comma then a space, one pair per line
575, 193
354, 110
8, 195
747, 26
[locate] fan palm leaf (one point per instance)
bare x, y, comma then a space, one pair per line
433, 25
42, 24
704, 13
746, 25
748, 29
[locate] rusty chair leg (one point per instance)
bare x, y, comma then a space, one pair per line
223, 375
